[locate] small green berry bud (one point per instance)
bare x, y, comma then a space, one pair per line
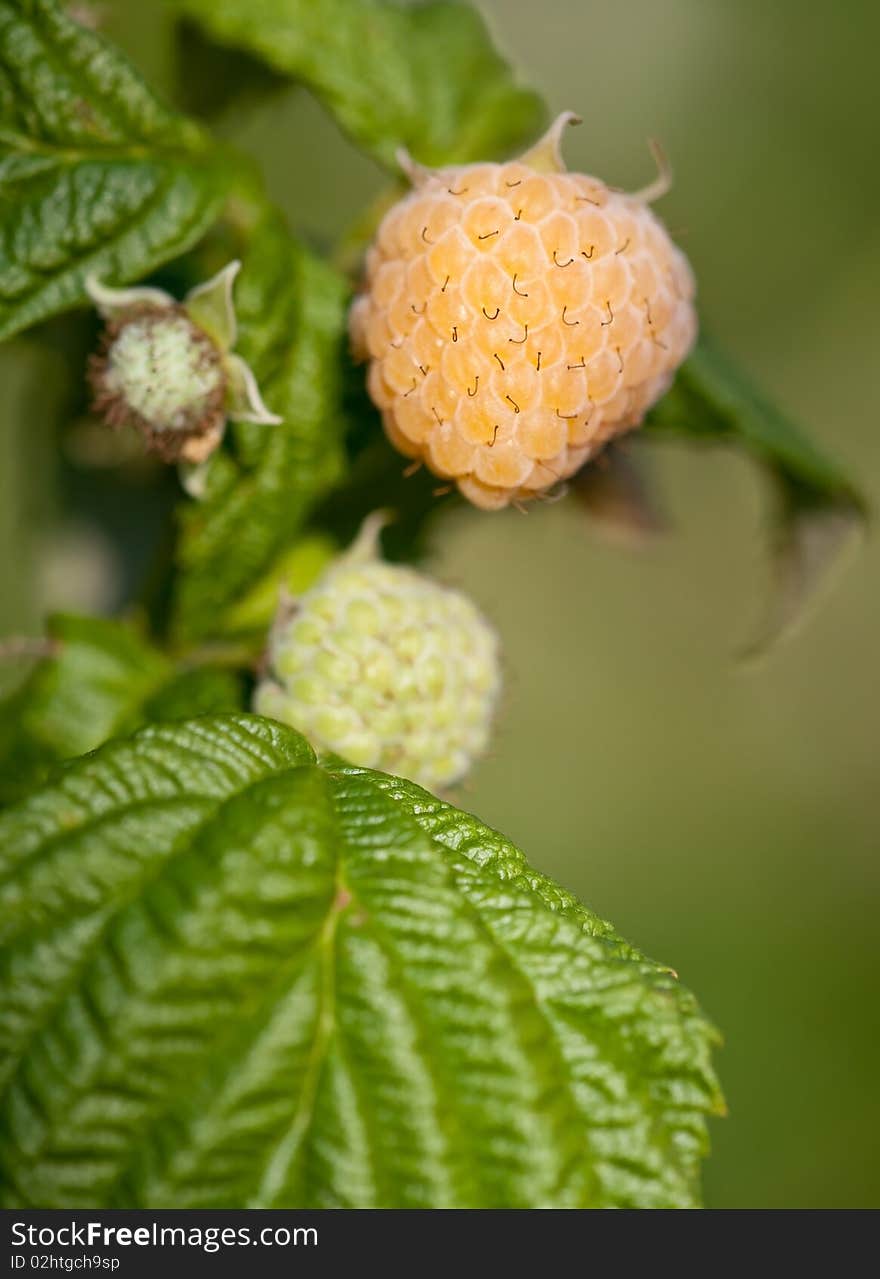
159, 372
168, 369
385, 667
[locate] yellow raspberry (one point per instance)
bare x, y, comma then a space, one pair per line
384, 666
516, 317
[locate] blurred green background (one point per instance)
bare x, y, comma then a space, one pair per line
727, 818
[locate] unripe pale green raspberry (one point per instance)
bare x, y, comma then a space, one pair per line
387, 668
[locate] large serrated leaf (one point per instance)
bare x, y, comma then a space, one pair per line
712, 402
425, 77
291, 309
96, 175
101, 678
233, 976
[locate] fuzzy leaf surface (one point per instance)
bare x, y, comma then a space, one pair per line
101, 679
291, 310
425, 77
234, 975
96, 174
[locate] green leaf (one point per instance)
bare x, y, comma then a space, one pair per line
234, 976
201, 690
424, 77
818, 507
291, 309
96, 175
102, 679
294, 572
